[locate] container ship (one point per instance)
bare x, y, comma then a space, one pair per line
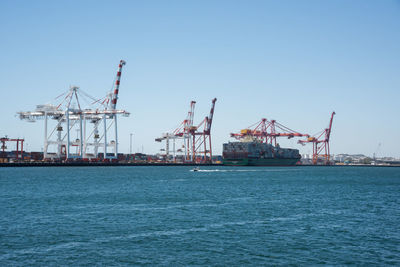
258, 154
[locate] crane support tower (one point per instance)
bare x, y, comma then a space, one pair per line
188, 128
69, 115
320, 143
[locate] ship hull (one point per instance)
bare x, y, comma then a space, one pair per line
261, 162
258, 154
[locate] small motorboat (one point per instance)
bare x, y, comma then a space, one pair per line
196, 169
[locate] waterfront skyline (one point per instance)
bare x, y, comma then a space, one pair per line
292, 61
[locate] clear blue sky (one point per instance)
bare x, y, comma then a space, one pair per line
293, 61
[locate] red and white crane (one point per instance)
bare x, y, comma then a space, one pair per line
19, 149
201, 135
181, 132
320, 143
266, 131
196, 139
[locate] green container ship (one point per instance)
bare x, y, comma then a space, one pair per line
258, 154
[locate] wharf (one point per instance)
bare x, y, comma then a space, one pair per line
116, 164
97, 164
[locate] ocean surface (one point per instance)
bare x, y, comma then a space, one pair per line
223, 216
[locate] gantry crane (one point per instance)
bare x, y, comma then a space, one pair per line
70, 115
181, 132
196, 139
266, 131
19, 150
201, 144
320, 143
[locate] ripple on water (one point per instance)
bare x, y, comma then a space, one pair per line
218, 216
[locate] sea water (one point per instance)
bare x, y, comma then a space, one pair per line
225, 216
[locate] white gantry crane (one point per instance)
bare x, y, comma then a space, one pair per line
69, 116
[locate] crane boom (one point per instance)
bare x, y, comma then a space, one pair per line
267, 131
210, 117
114, 97
328, 130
